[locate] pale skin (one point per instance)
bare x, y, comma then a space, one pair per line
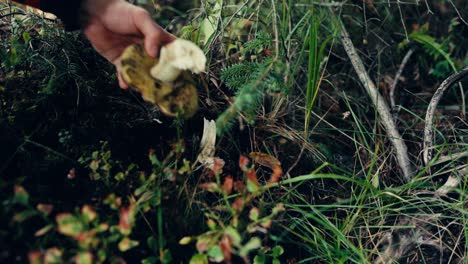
115, 24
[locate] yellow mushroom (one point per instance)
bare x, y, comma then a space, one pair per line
165, 82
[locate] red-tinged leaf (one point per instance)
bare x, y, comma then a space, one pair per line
239, 186
228, 185
45, 208
210, 187
127, 216
252, 176
203, 243
277, 173
252, 180
88, 213
21, 195
71, 174
53, 256
127, 244
86, 239
218, 166
35, 257
226, 247
266, 223
264, 159
102, 227
238, 204
69, 225
268, 161
243, 163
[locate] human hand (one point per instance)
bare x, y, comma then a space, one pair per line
115, 24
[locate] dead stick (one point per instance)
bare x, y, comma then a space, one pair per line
397, 78
427, 148
382, 107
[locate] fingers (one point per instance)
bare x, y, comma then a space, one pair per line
154, 35
122, 83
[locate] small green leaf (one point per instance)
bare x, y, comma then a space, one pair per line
233, 235
185, 241
254, 214
152, 244
216, 254
211, 224
24, 215
166, 257
259, 259
26, 37
119, 176
126, 244
21, 196
69, 225
88, 213
150, 260
278, 209
84, 258
252, 187
199, 259
277, 251
254, 243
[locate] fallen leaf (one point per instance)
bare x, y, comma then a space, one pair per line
268, 161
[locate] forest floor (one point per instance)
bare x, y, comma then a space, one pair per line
321, 110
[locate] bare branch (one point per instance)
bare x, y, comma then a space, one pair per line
397, 78
427, 148
382, 107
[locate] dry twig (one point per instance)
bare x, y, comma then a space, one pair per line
397, 78
382, 107
427, 148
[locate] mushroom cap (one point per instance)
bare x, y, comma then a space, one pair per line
179, 55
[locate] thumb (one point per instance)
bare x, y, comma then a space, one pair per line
155, 36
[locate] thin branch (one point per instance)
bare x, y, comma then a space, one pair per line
458, 12
427, 147
382, 107
396, 79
